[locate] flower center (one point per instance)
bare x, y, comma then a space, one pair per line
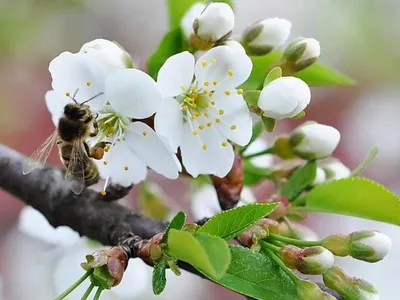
111, 124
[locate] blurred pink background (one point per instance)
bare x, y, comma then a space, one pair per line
360, 38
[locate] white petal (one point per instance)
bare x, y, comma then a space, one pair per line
246, 197
274, 33
133, 93
123, 166
216, 159
168, 122
137, 272
224, 65
76, 72
152, 150
176, 75
284, 97
236, 122
55, 103
261, 161
187, 21
204, 203
235, 46
32, 223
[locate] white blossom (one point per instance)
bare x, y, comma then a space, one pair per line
334, 169
201, 108
131, 94
215, 22
320, 176
191, 14
234, 45
370, 246
284, 97
267, 35
108, 54
313, 141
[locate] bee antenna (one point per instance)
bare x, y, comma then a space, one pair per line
90, 99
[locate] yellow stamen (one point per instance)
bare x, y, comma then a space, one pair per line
67, 94
212, 102
224, 144
88, 83
204, 147
233, 127
144, 133
227, 93
201, 126
184, 108
206, 83
230, 73
239, 91
126, 168
118, 139
215, 82
204, 63
193, 89
210, 94
105, 163
209, 124
221, 112
195, 132
213, 60
103, 192
218, 120
206, 105
206, 114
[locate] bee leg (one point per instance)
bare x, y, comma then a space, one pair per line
95, 127
87, 149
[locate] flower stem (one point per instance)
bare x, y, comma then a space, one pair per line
98, 292
266, 151
295, 242
271, 246
88, 291
74, 285
278, 261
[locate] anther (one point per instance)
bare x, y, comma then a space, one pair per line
193, 89
209, 124
67, 94
105, 163
126, 168
201, 126
204, 147
103, 192
206, 83
227, 93
239, 91
218, 120
221, 112
204, 63
224, 144
212, 102
88, 83
206, 114
184, 108
144, 133
233, 127
194, 132
213, 60
215, 82
230, 73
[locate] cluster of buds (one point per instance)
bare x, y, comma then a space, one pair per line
108, 266
311, 260
369, 246
261, 230
349, 287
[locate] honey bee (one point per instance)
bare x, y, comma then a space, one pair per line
73, 129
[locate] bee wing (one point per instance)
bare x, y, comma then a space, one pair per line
76, 167
40, 155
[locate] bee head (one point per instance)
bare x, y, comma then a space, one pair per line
77, 112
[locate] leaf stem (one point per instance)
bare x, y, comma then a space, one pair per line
263, 152
74, 285
295, 242
98, 292
279, 262
88, 291
371, 155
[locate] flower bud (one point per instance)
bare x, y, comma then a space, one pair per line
215, 23
307, 290
334, 169
302, 53
191, 14
109, 54
298, 231
235, 46
370, 246
347, 287
311, 260
267, 35
284, 98
337, 244
320, 177
314, 141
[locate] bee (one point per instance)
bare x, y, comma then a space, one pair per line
74, 127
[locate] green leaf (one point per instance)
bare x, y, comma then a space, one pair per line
159, 279
269, 123
209, 254
255, 275
254, 174
275, 73
300, 180
178, 8
321, 75
230, 223
356, 196
171, 44
177, 222
315, 75
251, 97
